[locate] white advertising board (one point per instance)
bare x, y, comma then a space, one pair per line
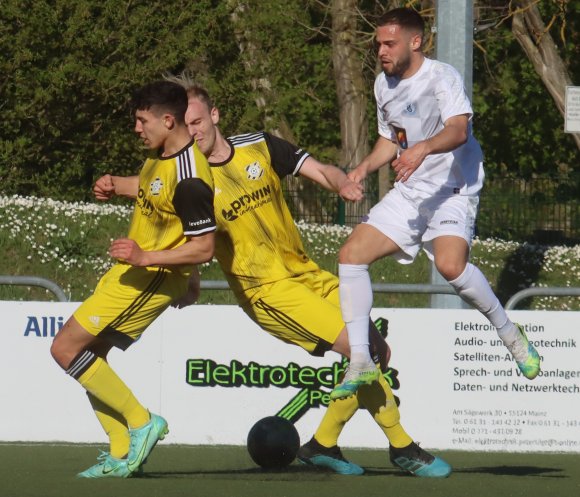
213, 373
572, 110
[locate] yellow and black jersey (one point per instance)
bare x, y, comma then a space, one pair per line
175, 200
257, 241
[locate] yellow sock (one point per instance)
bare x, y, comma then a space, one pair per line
379, 400
102, 382
335, 417
114, 425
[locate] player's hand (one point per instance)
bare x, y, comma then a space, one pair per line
192, 293
127, 250
358, 174
351, 191
104, 188
408, 161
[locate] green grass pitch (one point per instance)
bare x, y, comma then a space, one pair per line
44, 470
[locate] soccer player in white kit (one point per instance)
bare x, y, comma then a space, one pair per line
424, 124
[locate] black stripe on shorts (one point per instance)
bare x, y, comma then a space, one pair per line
321, 345
111, 333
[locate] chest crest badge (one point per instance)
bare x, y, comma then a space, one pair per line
410, 108
254, 171
156, 186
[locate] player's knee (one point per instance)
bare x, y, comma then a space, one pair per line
61, 352
57, 351
450, 269
348, 253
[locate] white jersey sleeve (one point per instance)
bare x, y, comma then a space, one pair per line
450, 92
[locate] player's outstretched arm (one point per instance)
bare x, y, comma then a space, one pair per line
107, 186
331, 178
382, 153
196, 250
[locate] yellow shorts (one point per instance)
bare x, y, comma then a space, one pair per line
127, 300
304, 310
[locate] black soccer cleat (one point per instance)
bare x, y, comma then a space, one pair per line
315, 454
413, 459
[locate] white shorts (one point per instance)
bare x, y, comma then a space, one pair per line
412, 222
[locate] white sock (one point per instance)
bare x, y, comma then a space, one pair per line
356, 301
473, 287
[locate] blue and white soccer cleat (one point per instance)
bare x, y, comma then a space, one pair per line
107, 467
314, 454
416, 461
525, 355
353, 379
144, 439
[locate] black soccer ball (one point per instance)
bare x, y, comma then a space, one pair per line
273, 442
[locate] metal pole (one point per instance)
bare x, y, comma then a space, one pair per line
454, 27
35, 281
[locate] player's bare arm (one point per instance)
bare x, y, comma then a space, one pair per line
453, 135
107, 186
331, 178
126, 186
382, 153
196, 250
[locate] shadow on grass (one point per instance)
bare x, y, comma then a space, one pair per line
293, 471
521, 270
289, 472
515, 471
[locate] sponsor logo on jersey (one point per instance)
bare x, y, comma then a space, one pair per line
401, 135
144, 203
248, 202
156, 186
201, 222
254, 171
449, 221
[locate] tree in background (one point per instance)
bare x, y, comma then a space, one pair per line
66, 72
67, 69
516, 121
535, 38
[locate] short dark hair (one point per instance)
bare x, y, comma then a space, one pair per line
408, 19
160, 97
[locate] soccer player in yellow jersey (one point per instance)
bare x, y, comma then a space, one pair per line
172, 230
275, 282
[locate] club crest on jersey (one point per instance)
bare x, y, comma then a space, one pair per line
156, 186
254, 171
410, 108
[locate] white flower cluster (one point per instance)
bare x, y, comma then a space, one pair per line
44, 229
68, 209
56, 232
323, 239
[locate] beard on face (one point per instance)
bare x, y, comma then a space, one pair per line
398, 68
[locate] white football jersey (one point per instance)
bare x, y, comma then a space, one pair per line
414, 109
